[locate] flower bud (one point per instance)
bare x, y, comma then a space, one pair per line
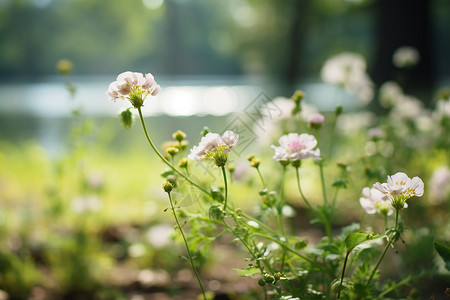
231, 168
261, 282
205, 131
254, 163
250, 157
172, 179
64, 66
183, 163
284, 163
338, 110
172, 151
216, 194
179, 135
298, 96
296, 163
216, 213
315, 121
167, 187
127, 118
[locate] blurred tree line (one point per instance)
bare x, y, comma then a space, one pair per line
288, 39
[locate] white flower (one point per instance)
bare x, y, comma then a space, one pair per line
296, 147
349, 71
134, 87
374, 201
400, 187
405, 57
440, 185
83, 204
215, 147
390, 93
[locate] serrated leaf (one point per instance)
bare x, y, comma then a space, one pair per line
354, 239
443, 252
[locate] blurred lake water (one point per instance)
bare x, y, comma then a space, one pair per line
41, 110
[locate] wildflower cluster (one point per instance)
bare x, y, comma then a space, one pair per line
287, 266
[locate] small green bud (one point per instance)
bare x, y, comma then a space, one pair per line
231, 168
127, 118
284, 163
298, 96
183, 163
167, 187
216, 194
269, 278
172, 151
238, 211
261, 282
64, 66
250, 157
296, 163
277, 276
338, 110
216, 213
179, 135
205, 131
254, 163
172, 179
301, 245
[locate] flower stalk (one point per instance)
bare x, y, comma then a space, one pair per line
191, 260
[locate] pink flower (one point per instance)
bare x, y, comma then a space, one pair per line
315, 121
296, 147
134, 87
215, 147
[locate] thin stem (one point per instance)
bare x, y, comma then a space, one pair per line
335, 196
324, 217
261, 177
187, 247
163, 158
342, 276
282, 183
385, 249
258, 263
300, 189
224, 173
322, 179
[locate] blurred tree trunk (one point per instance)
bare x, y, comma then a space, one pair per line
173, 44
404, 23
298, 10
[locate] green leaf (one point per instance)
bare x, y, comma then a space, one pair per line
444, 252
354, 239
248, 272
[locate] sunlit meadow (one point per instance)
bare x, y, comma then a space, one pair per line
285, 202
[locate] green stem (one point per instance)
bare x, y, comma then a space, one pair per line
261, 177
324, 217
282, 183
335, 197
254, 257
224, 173
342, 276
385, 249
322, 179
187, 247
164, 159
300, 190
